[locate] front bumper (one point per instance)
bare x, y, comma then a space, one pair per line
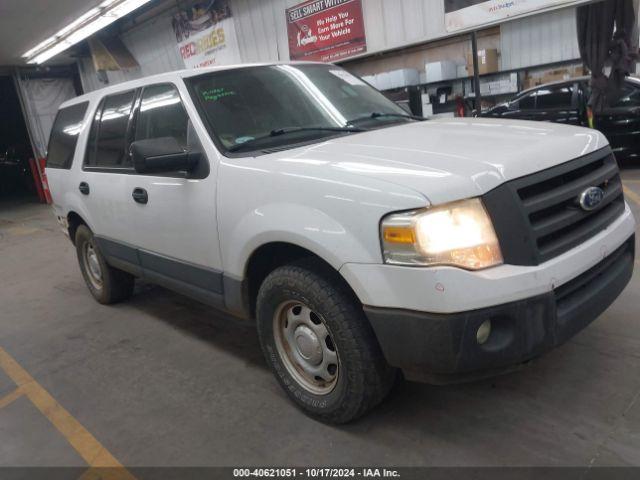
440, 348
452, 290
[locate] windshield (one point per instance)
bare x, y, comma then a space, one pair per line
258, 108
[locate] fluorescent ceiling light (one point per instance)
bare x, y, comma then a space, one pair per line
82, 27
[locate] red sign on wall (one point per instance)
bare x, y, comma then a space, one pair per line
326, 30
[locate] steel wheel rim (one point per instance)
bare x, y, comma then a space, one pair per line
92, 265
306, 347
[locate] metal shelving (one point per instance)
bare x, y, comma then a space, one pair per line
466, 82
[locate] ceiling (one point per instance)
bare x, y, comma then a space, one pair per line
24, 24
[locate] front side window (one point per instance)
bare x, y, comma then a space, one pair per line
64, 135
554, 97
528, 102
108, 137
257, 108
162, 115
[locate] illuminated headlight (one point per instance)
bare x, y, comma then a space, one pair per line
459, 234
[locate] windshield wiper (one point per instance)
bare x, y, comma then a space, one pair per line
382, 115
285, 131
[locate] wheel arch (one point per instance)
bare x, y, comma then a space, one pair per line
74, 220
75, 213
266, 258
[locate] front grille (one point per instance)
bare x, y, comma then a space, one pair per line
538, 217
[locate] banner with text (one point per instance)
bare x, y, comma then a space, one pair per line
206, 35
326, 30
467, 14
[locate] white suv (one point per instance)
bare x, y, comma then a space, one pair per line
363, 240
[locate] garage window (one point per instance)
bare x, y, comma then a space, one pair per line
64, 135
108, 137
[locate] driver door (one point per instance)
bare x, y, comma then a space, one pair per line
174, 214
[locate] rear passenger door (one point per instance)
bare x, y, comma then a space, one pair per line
176, 228
106, 177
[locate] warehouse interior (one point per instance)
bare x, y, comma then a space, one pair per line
16, 181
162, 386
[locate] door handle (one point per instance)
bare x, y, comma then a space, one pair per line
84, 188
140, 195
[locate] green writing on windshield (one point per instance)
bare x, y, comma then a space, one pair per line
214, 94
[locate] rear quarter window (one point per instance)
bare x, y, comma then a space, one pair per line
64, 135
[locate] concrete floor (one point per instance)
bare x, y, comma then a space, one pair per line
162, 380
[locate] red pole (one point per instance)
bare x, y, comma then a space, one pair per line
44, 182
36, 180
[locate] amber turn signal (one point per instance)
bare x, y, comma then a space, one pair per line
399, 235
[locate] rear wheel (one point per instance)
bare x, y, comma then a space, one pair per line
319, 344
106, 284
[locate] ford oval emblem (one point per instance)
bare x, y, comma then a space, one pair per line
591, 198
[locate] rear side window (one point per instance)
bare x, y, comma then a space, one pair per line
64, 135
108, 138
162, 115
554, 97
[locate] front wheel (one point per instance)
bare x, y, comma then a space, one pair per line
319, 344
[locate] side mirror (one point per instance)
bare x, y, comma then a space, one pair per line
162, 155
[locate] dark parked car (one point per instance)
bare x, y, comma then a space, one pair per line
566, 102
15, 173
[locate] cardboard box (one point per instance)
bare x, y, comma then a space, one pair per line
403, 77
555, 75
530, 82
383, 81
427, 107
440, 71
487, 61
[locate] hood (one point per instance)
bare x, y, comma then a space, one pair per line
450, 159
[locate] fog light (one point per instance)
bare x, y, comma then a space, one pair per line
483, 332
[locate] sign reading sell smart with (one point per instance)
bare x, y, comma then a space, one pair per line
467, 14
326, 30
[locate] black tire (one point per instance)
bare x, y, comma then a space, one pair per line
363, 378
115, 285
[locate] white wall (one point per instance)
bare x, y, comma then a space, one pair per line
546, 38
262, 35
153, 45
262, 29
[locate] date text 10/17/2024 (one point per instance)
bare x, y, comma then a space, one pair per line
315, 473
